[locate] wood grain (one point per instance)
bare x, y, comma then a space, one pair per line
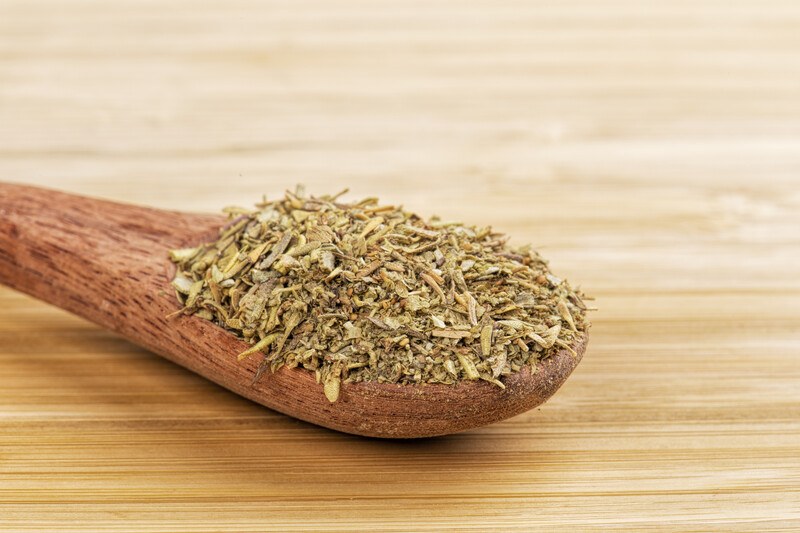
651, 151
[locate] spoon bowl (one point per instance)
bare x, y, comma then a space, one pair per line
108, 262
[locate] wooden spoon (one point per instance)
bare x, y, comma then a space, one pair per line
107, 262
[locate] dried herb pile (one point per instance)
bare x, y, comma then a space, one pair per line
367, 292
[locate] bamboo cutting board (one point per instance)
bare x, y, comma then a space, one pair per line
651, 151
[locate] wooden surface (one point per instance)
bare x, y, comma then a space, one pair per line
651, 150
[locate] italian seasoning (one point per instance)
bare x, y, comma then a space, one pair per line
368, 292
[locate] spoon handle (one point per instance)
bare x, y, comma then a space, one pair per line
100, 260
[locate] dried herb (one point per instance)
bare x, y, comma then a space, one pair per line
364, 292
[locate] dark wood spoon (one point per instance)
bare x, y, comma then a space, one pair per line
107, 262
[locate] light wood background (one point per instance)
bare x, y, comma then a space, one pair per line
650, 149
